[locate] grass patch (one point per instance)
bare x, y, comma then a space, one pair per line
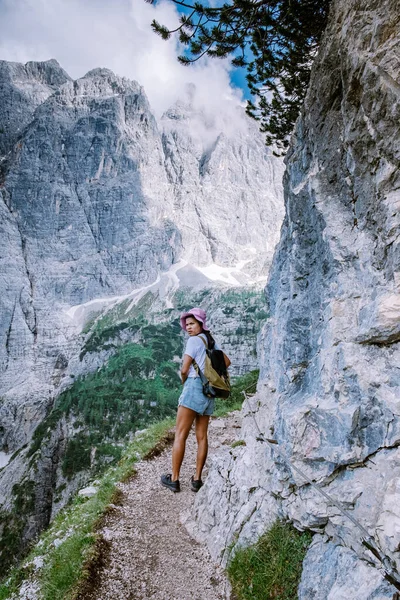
14, 582
238, 443
71, 542
271, 568
160, 446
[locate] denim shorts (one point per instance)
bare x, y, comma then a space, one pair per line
192, 397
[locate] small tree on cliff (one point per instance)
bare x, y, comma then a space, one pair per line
275, 40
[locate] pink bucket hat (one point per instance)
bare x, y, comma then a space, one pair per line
198, 313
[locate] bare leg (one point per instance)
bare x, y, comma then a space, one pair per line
184, 421
202, 443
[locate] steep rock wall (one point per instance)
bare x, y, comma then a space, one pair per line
329, 388
23, 88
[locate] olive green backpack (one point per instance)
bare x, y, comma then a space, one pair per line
215, 379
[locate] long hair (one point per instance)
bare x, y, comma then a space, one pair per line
210, 339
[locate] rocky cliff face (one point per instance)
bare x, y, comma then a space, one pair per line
329, 389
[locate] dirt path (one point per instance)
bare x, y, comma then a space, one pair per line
151, 554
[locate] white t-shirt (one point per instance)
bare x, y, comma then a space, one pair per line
196, 349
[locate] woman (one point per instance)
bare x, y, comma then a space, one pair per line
193, 404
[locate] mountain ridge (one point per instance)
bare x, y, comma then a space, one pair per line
88, 209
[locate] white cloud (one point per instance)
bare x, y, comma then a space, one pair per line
84, 34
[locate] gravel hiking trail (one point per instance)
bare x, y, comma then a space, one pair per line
150, 554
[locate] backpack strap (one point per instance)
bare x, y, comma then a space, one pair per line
196, 366
203, 340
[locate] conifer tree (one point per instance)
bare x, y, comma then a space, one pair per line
275, 40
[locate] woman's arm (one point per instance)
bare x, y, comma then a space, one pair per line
187, 361
227, 360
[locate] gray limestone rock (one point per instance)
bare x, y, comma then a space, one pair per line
330, 383
332, 572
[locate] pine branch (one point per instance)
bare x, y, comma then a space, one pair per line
283, 37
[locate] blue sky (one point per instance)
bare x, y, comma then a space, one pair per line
238, 78
237, 75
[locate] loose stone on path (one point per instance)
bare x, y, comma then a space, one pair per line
151, 553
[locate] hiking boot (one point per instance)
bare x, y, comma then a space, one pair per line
172, 485
195, 484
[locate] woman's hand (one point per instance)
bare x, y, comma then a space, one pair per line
227, 361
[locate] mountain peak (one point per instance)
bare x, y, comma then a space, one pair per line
101, 72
